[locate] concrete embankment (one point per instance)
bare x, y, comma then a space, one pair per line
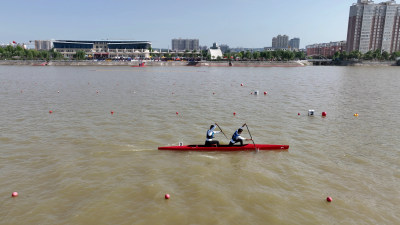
156, 63
368, 63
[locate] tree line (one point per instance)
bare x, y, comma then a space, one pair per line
11, 52
370, 55
277, 55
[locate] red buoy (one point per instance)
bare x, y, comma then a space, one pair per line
14, 194
323, 114
50, 112
177, 113
112, 112
298, 114
265, 93
234, 113
328, 199
241, 84
167, 196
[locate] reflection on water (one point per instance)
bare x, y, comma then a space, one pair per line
83, 164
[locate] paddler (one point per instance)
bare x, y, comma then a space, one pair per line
237, 138
210, 136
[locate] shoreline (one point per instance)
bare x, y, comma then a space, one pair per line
299, 63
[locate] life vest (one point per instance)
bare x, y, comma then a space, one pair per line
210, 134
235, 136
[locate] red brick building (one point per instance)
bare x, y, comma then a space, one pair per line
326, 49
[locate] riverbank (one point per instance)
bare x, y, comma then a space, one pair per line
156, 63
298, 63
367, 63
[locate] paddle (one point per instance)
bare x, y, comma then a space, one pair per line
222, 131
251, 138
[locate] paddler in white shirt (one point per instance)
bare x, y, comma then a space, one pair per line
210, 136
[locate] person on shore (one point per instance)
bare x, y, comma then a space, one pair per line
237, 138
210, 136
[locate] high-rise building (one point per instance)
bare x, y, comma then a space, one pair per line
374, 26
280, 41
185, 44
274, 42
43, 45
294, 43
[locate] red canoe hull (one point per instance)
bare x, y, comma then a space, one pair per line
247, 147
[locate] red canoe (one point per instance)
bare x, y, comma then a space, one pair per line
246, 147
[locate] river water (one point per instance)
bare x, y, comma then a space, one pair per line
82, 164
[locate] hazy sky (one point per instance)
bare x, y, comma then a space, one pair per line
238, 23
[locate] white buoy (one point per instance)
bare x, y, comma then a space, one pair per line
256, 93
311, 112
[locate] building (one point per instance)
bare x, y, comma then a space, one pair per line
294, 43
215, 52
224, 48
280, 41
43, 45
104, 48
185, 44
326, 50
374, 26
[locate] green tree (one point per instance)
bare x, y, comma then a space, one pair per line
355, 54
278, 54
248, 55
385, 55
80, 55
240, 55
267, 55
287, 55
394, 55
29, 56
300, 55
368, 55
377, 54
343, 55
256, 55
204, 53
